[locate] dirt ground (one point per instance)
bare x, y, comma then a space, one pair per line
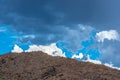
40, 66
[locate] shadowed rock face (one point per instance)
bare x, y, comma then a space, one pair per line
40, 66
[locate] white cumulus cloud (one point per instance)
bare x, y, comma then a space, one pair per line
17, 49
109, 35
99, 62
111, 66
29, 36
93, 61
51, 49
80, 56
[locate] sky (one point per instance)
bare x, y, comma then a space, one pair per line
88, 27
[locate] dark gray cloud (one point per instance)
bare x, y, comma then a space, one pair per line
61, 11
46, 16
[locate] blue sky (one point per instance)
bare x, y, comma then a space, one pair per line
71, 24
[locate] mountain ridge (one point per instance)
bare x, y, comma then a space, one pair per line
40, 66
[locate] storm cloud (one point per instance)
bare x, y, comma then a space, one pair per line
36, 16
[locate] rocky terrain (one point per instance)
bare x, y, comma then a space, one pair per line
40, 66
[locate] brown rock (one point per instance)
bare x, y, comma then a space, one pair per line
40, 66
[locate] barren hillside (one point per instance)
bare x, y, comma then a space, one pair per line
40, 66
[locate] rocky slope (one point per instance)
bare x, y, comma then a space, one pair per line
40, 66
